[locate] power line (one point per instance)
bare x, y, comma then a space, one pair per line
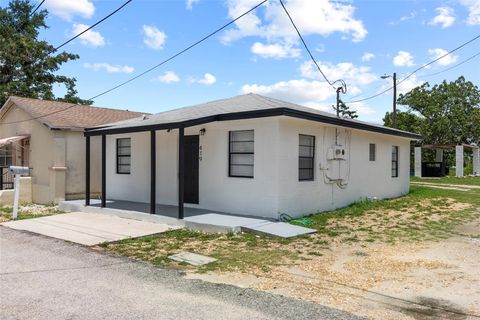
36, 8
418, 69
306, 47
78, 35
150, 69
452, 67
91, 27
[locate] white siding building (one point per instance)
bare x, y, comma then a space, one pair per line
251, 155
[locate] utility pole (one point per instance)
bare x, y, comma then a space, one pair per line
338, 101
394, 122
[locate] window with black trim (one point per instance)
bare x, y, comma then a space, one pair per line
123, 155
394, 161
306, 155
372, 152
241, 153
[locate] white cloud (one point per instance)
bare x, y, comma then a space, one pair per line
190, 3
403, 59
410, 16
322, 17
109, 68
311, 90
445, 17
354, 76
208, 79
153, 37
275, 50
367, 56
445, 61
473, 7
409, 84
66, 9
90, 38
169, 77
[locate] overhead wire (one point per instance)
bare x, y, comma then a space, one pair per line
36, 8
91, 27
416, 70
452, 67
308, 50
150, 69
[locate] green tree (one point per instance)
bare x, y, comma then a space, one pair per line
447, 113
345, 112
406, 121
28, 66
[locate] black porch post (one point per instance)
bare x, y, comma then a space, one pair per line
181, 174
153, 171
104, 173
87, 170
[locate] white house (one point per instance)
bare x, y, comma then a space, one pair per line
249, 155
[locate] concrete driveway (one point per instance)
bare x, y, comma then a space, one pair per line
88, 228
45, 278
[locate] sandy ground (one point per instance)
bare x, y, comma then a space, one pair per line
422, 280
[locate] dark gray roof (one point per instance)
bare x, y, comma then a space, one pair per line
239, 107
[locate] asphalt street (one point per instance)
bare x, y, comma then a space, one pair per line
46, 278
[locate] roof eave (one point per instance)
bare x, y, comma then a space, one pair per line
250, 115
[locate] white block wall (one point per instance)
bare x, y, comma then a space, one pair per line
275, 187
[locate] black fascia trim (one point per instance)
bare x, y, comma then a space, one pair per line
251, 115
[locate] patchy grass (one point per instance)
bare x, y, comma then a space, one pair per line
424, 214
235, 252
28, 211
450, 180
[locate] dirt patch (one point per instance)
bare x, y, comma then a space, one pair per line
432, 280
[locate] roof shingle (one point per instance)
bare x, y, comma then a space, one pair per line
77, 117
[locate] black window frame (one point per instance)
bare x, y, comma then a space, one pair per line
312, 158
118, 156
372, 152
395, 161
231, 153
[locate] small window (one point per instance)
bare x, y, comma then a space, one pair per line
241, 153
123, 156
306, 154
372, 152
6, 156
394, 162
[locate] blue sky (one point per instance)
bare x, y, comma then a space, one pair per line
357, 41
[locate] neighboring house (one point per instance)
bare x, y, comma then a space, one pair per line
250, 155
47, 136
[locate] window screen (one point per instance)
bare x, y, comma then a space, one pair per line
372, 152
394, 161
241, 153
306, 154
123, 156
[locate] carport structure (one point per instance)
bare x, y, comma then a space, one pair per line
439, 161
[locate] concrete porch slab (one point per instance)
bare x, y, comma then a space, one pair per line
214, 222
88, 228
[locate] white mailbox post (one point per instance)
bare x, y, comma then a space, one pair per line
17, 172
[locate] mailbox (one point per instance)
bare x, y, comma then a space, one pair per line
19, 170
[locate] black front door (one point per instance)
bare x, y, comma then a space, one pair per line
192, 144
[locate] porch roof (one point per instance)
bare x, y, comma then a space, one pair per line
247, 106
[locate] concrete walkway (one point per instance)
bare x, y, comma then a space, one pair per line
88, 228
45, 278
